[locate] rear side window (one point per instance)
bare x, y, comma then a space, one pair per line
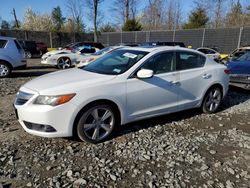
189, 60
17, 45
88, 50
3, 43
206, 51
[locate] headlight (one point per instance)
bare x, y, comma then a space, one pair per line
53, 100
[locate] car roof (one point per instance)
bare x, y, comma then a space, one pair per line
158, 48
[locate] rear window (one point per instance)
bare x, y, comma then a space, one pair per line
17, 45
3, 43
30, 44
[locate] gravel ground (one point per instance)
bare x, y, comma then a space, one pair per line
185, 149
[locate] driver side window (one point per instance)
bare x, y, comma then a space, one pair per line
160, 63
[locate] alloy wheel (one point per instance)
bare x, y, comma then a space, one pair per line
212, 100
64, 63
4, 70
97, 124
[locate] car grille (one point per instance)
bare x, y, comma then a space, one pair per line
22, 98
237, 78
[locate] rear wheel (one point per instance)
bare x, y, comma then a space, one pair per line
97, 123
63, 63
212, 100
5, 70
28, 54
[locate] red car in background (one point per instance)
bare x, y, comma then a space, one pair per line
41, 47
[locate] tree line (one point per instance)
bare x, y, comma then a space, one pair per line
155, 15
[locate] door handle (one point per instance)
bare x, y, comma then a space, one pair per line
207, 76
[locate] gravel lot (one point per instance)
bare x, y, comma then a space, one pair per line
186, 149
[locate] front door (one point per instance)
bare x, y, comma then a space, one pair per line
156, 95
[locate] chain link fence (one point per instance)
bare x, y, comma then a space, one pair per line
226, 39
51, 39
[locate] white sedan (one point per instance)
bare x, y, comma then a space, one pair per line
64, 59
123, 86
211, 53
85, 60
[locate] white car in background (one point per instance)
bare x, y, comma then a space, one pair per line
85, 60
211, 53
122, 86
64, 59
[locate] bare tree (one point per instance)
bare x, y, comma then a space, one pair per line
218, 13
126, 9
75, 8
93, 6
153, 15
172, 14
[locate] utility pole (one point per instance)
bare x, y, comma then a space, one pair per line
14, 13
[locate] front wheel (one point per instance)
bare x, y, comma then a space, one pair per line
97, 123
63, 63
212, 100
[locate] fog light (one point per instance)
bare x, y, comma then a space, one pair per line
39, 127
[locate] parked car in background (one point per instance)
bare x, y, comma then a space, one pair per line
129, 44
211, 53
239, 71
235, 54
85, 60
64, 59
181, 44
30, 48
122, 86
75, 45
11, 56
41, 47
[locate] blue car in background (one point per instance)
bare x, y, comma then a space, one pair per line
239, 71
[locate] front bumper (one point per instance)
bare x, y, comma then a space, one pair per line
45, 120
48, 61
242, 81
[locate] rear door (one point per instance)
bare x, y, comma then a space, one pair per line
194, 78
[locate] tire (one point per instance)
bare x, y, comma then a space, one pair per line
212, 100
63, 63
97, 123
28, 54
5, 70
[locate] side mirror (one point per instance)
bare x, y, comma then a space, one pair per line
145, 73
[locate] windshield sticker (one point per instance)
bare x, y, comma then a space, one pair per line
130, 55
117, 70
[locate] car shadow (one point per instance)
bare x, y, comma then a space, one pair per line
33, 71
229, 101
25, 74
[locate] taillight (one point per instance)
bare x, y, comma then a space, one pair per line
227, 71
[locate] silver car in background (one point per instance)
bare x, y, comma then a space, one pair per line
12, 56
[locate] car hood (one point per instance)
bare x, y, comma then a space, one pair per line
70, 80
239, 67
58, 52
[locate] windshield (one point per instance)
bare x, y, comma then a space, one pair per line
116, 62
245, 57
103, 51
